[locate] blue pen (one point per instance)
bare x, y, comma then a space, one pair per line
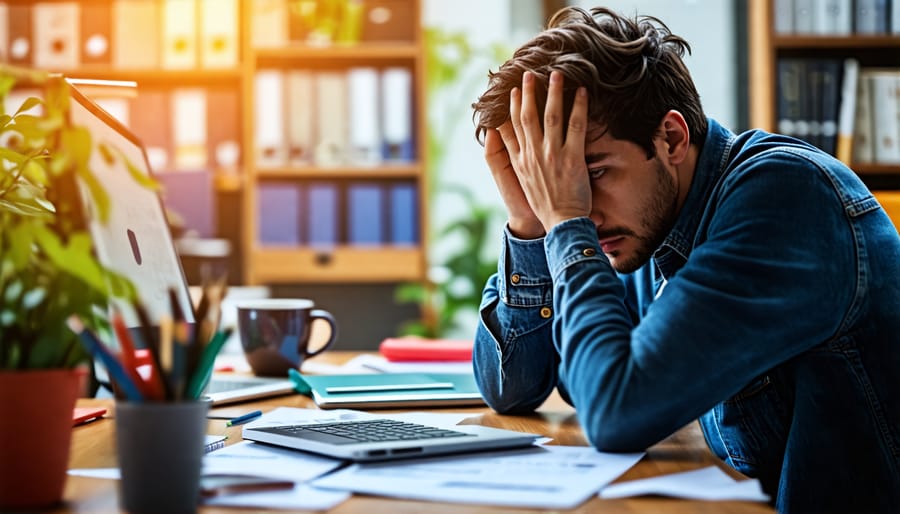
113, 366
243, 418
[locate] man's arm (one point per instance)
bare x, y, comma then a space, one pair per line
514, 358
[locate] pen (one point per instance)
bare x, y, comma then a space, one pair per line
205, 366
113, 366
243, 418
388, 387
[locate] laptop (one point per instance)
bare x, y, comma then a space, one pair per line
136, 242
224, 388
379, 439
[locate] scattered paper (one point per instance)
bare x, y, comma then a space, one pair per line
249, 458
703, 484
301, 497
551, 477
107, 473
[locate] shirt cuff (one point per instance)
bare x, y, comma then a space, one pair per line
524, 278
571, 241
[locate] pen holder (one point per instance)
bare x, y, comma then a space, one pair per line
160, 449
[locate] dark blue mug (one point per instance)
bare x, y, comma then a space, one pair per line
275, 333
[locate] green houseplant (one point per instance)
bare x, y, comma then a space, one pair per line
47, 273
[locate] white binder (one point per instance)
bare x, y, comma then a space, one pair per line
396, 97
136, 34
179, 34
268, 110
332, 118
269, 23
301, 106
365, 122
55, 35
219, 29
189, 128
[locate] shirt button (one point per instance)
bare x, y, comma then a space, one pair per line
515, 278
589, 252
546, 312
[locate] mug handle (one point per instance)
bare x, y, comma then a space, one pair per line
324, 315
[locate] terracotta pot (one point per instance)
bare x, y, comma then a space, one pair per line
35, 430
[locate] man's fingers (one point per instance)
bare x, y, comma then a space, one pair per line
529, 113
508, 137
575, 133
553, 131
515, 110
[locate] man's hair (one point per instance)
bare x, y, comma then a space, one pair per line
632, 69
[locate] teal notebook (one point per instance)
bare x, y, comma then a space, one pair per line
384, 390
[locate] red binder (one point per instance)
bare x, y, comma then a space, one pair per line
417, 349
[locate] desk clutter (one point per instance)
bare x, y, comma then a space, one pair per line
178, 353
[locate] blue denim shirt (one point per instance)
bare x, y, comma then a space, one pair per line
771, 312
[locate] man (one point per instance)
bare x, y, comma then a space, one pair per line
657, 268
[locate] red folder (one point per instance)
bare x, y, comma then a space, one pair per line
396, 349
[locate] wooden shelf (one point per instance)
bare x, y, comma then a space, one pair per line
341, 264
158, 77
876, 169
835, 42
356, 172
365, 52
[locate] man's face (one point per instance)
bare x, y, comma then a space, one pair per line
634, 199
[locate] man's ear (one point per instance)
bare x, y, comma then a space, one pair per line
676, 137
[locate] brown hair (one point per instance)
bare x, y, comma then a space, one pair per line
632, 69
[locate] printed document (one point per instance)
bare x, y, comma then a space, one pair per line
702, 484
549, 477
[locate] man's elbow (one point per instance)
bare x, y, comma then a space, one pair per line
617, 434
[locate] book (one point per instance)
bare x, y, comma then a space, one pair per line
214, 442
189, 128
332, 118
365, 218
279, 209
783, 16
863, 144
179, 34
301, 108
388, 390
790, 108
268, 110
218, 33
847, 113
96, 32
365, 121
830, 71
21, 45
415, 349
885, 125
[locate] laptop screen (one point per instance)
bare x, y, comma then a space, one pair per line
135, 240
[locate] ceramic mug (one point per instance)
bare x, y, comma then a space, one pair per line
275, 333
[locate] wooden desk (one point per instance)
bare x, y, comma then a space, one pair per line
93, 446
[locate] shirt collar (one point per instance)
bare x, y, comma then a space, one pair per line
713, 158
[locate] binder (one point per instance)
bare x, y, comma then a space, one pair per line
223, 129
269, 23
301, 113
179, 34
4, 33
55, 31
885, 123
388, 20
365, 129
332, 118
268, 103
96, 32
278, 205
20, 44
136, 41
396, 97
218, 34
365, 224
322, 214
150, 121
404, 214
871, 17
189, 128
783, 16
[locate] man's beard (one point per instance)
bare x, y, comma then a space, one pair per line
659, 217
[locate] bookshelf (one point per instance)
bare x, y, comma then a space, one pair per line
768, 46
382, 35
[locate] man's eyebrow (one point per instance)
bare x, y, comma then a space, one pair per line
594, 157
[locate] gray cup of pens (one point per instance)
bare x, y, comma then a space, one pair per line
277, 334
160, 447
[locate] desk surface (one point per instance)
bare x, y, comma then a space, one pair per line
93, 446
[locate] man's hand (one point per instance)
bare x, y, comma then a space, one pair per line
522, 221
549, 165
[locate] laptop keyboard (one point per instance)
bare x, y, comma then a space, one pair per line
363, 431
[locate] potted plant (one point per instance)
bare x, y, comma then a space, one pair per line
48, 272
